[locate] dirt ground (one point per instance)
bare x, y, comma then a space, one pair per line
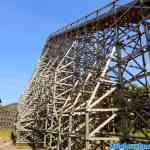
6, 145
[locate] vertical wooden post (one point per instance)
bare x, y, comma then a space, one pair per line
70, 131
87, 130
59, 134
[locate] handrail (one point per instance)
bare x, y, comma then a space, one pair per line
82, 20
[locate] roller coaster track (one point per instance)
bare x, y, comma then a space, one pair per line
91, 85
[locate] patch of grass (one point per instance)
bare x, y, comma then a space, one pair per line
23, 147
139, 134
5, 133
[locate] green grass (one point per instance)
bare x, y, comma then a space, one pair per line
5, 134
23, 147
139, 134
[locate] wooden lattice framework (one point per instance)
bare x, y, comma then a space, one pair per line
91, 85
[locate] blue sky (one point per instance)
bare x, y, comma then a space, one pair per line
24, 28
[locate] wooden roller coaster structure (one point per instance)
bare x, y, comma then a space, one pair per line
91, 85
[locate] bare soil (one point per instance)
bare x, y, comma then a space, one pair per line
5, 145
